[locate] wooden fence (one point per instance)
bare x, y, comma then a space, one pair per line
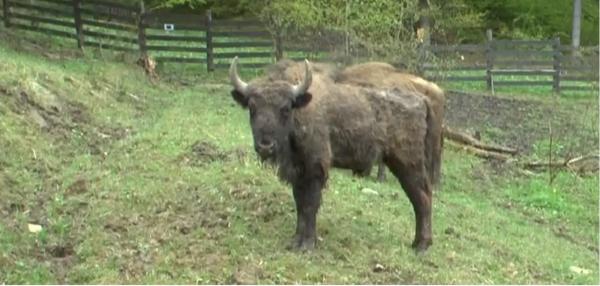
515, 63
200, 39
167, 37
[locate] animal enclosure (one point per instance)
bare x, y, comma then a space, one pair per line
198, 39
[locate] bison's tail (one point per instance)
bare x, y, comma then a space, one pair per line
433, 147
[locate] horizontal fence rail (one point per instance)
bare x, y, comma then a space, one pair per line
199, 39
501, 63
51, 17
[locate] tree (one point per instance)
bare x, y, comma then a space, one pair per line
423, 28
538, 19
576, 32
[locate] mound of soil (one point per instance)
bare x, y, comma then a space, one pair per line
204, 152
58, 116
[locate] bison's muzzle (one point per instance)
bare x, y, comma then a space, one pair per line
265, 148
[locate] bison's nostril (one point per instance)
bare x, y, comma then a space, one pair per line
266, 143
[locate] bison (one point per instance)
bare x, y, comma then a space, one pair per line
307, 128
383, 75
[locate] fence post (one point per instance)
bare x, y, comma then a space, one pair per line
489, 59
141, 26
78, 22
209, 42
6, 13
278, 45
556, 57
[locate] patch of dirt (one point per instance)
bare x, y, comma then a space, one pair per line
60, 117
60, 251
60, 258
247, 273
204, 152
80, 186
207, 152
518, 123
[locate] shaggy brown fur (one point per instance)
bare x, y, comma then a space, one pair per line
383, 75
290, 71
344, 126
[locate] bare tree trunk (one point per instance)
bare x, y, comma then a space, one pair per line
347, 32
576, 32
423, 25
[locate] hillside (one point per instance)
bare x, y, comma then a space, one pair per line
140, 182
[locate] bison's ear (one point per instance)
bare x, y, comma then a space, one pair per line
240, 98
302, 100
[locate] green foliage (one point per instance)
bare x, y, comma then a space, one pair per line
538, 18
375, 22
456, 22
384, 29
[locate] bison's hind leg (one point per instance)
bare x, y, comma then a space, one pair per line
381, 171
413, 178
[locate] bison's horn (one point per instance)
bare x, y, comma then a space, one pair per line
305, 84
236, 81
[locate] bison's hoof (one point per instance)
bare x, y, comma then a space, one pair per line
294, 243
420, 246
300, 244
307, 245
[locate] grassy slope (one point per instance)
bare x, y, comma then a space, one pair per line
180, 198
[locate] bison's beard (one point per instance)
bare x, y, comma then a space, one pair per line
284, 159
267, 158
289, 161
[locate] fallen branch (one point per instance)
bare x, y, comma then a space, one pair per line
543, 165
467, 139
584, 164
479, 152
581, 164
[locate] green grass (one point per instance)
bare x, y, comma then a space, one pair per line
181, 198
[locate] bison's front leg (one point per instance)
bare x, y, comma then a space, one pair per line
300, 225
307, 194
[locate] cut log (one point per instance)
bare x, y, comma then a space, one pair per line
479, 152
467, 139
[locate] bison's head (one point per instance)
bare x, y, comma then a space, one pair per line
271, 105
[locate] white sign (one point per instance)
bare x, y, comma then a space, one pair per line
169, 27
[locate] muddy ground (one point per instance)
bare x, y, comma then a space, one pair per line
521, 123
